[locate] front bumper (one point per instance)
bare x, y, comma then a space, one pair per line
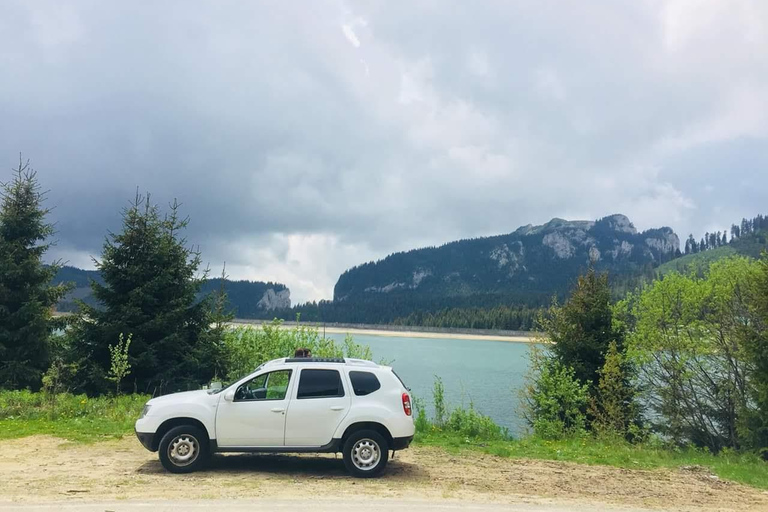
147, 440
401, 443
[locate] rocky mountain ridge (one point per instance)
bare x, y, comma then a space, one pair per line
544, 258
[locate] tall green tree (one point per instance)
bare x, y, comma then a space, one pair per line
582, 328
26, 295
687, 340
151, 285
756, 344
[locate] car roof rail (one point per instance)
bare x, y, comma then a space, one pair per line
315, 360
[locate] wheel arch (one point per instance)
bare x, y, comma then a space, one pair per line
367, 425
176, 422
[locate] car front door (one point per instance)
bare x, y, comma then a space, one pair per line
320, 402
255, 417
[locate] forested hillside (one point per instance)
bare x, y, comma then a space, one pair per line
747, 238
246, 299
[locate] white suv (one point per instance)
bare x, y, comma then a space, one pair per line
287, 405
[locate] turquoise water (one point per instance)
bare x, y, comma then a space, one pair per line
488, 374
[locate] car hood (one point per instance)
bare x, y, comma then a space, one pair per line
184, 396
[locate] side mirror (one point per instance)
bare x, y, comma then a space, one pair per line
229, 395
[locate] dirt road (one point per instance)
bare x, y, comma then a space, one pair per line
39, 470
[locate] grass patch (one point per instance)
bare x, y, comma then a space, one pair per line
73, 417
738, 467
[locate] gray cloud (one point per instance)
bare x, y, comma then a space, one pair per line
304, 138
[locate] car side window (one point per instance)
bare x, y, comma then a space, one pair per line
364, 383
319, 384
269, 386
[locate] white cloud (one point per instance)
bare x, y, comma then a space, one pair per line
298, 151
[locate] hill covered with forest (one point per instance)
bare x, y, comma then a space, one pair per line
496, 282
532, 262
246, 299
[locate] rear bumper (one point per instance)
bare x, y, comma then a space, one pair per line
146, 440
401, 443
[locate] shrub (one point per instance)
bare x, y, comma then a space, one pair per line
248, 347
470, 423
555, 402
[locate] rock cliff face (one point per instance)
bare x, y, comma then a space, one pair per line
272, 299
542, 259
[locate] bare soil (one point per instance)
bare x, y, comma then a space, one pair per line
43, 469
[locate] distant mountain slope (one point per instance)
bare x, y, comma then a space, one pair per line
247, 299
530, 263
751, 245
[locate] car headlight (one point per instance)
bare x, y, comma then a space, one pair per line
145, 410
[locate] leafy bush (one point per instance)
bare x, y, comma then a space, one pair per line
467, 423
248, 347
470, 423
555, 401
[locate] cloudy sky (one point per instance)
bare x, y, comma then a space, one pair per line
306, 137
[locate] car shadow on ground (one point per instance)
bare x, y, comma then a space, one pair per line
287, 465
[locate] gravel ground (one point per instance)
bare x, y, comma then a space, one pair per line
40, 469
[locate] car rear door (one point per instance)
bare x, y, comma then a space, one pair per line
320, 401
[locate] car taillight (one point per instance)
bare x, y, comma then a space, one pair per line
407, 404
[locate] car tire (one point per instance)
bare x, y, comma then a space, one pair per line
184, 449
366, 453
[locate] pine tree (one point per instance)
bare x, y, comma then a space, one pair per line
150, 292
693, 244
582, 329
27, 298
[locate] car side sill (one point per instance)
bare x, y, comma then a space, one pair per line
332, 447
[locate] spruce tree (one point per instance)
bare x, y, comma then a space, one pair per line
582, 328
150, 291
27, 297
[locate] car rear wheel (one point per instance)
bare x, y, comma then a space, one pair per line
183, 449
366, 453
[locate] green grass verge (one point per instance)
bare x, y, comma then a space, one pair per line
72, 417
738, 467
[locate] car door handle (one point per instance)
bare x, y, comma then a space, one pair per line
337, 408
278, 409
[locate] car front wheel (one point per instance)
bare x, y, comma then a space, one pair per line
366, 453
183, 449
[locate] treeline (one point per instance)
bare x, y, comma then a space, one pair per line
242, 296
746, 228
509, 318
405, 309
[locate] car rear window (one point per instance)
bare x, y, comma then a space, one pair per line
320, 384
364, 383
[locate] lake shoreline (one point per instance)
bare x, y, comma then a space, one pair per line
407, 332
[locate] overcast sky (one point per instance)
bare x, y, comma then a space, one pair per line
305, 137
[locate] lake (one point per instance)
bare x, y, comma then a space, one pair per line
487, 373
